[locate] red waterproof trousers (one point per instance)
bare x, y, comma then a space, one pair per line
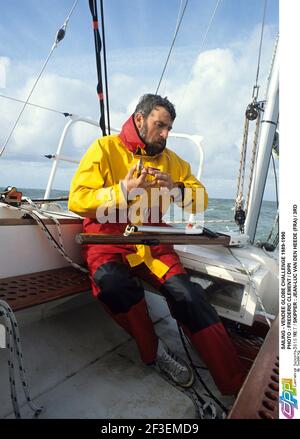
120, 290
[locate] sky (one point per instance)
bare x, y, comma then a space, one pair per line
210, 85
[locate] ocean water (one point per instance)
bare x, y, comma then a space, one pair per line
218, 209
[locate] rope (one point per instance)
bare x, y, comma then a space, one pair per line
98, 48
276, 181
275, 226
241, 174
59, 36
105, 65
35, 105
55, 220
204, 409
171, 47
11, 325
210, 394
58, 246
13, 344
253, 112
253, 158
240, 215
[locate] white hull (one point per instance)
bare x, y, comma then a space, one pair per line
27, 249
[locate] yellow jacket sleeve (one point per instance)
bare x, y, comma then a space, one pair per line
195, 198
92, 186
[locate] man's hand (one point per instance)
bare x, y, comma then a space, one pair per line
131, 182
161, 179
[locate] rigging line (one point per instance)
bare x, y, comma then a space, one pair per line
15, 360
272, 63
57, 245
178, 15
253, 159
177, 21
210, 394
276, 181
98, 48
105, 66
59, 36
256, 87
275, 225
172, 45
70, 13
35, 105
201, 46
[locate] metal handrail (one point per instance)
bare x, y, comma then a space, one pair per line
57, 157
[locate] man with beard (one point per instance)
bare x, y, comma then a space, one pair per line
108, 182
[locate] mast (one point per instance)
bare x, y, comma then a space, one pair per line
268, 128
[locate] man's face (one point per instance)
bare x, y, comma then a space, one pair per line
154, 130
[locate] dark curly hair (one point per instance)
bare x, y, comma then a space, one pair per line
149, 101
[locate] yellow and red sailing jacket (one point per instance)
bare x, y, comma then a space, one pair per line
96, 187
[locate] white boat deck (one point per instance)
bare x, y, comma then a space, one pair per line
80, 364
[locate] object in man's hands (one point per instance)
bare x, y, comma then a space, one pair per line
139, 167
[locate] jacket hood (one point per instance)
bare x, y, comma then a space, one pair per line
130, 137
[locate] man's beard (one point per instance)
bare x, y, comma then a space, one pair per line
151, 148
